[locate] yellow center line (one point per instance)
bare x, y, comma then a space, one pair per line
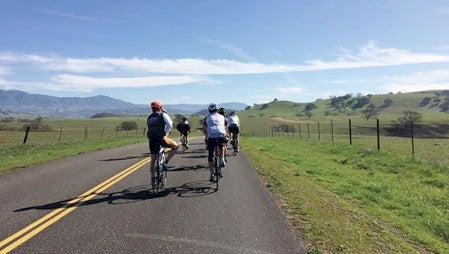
39, 225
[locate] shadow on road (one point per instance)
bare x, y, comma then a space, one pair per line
131, 195
143, 155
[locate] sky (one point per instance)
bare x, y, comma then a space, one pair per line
215, 51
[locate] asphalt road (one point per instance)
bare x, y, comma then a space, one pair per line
100, 202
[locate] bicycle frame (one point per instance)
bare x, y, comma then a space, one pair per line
160, 172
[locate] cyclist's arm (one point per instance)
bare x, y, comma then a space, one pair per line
168, 123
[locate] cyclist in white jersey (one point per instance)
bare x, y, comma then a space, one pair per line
216, 136
234, 127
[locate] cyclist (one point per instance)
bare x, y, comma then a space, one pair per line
234, 129
159, 125
222, 111
184, 128
216, 133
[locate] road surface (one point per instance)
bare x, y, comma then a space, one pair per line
100, 202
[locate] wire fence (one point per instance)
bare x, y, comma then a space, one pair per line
415, 141
64, 135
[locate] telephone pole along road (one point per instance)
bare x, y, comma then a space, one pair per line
100, 202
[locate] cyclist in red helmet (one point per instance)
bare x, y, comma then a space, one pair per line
159, 126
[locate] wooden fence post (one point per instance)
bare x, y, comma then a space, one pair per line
413, 140
350, 132
26, 134
378, 134
60, 135
332, 130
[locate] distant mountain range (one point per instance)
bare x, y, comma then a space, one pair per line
15, 103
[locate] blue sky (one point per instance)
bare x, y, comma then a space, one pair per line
204, 51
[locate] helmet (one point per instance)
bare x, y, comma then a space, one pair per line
221, 111
232, 113
212, 107
156, 105
184, 118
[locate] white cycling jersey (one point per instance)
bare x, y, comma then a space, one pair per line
233, 120
215, 126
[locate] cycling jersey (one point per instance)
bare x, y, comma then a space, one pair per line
233, 121
215, 126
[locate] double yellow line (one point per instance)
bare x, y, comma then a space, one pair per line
25, 234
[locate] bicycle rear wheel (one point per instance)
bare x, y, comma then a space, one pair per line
216, 170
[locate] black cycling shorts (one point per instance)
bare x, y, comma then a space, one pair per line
212, 143
234, 129
155, 145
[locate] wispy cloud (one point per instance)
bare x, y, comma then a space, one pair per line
88, 84
68, 15
4, 71
367, 56
430, 80
64, 73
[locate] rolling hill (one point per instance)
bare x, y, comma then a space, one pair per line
19, 104
432, 104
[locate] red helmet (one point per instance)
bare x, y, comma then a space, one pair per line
156, 105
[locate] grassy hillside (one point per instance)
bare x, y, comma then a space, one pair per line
428, 103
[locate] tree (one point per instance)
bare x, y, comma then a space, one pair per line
410, 116
308, 114
445, 106
402, 126
310, 107
425, 101
127, 126
371, 111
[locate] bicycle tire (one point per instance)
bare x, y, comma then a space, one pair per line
216, 170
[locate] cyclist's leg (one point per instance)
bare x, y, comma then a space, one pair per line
237, 141
211, 143
154, 150
173, 147
222, 148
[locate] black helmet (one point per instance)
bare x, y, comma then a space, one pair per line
221, 111
213, 107
184, 118
232, 113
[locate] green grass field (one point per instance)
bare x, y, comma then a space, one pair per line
350, 199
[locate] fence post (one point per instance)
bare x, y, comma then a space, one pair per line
102, 132
378, 134
26, 134
85, 133
332, 130
308, 130
60, 134
144, 130
350, 132
319, 134
299, 130
412, 136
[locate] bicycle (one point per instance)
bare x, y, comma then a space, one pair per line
160, 171
217, 174
184, 141
234, 144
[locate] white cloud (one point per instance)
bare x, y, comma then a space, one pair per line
4, 71
87, 84
68, 15
431, 80
367, 56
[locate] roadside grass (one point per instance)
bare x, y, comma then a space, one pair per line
23, 155
352, 199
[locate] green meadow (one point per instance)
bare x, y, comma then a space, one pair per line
350, 199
